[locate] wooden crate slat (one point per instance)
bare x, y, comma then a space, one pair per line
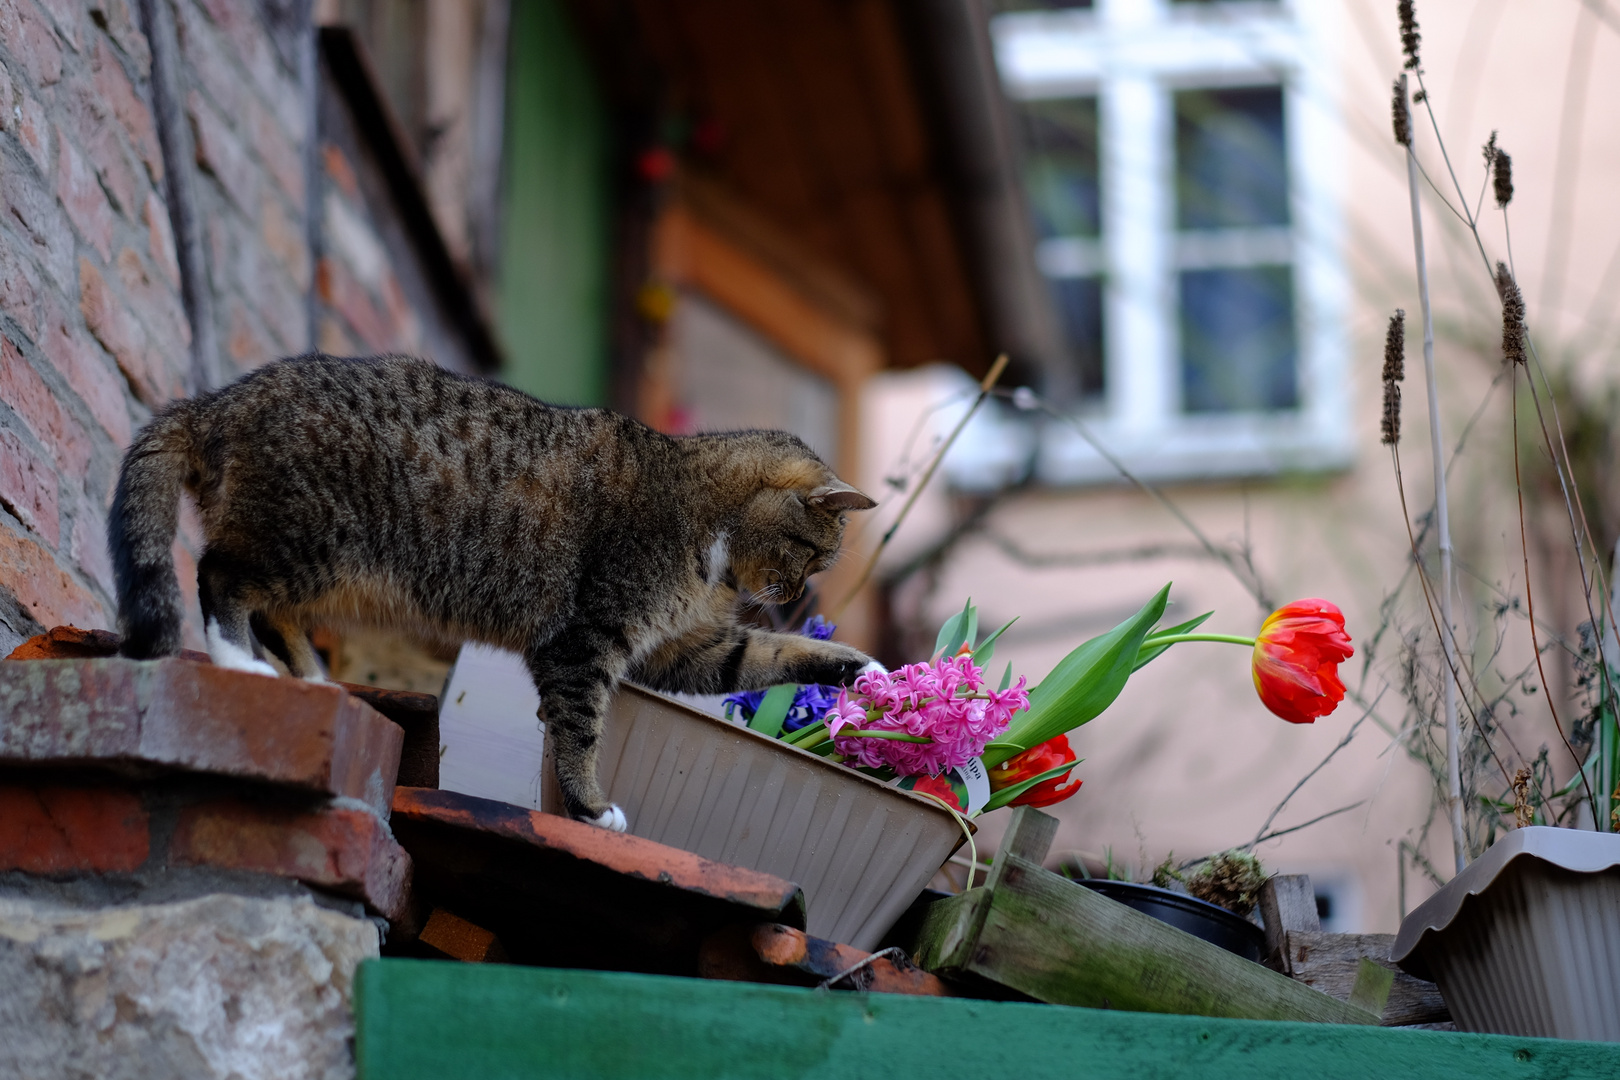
1059, 942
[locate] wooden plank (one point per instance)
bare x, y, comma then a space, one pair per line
419, 1020
1059, 942
1029, 836
1329, 962
950, 932
1287, 902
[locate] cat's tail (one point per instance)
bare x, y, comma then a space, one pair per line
141, 528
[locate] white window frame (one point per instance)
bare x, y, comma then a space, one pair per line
1134, 55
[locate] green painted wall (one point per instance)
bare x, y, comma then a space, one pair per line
553, 288
438, 1019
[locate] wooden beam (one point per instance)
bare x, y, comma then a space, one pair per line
1287, 902
1056, 941
1330, 963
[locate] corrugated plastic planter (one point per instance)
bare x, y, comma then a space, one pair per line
1526, 940
861, 850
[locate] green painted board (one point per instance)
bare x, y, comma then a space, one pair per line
555, 258
436, 1020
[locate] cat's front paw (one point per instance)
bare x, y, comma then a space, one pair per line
611, 819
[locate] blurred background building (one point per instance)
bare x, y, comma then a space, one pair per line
1185, 222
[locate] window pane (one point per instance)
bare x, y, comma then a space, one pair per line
1080, 307
1231, 169
1059, 140
1238, 352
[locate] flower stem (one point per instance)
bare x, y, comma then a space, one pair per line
1172, 639
806, 734
897, 736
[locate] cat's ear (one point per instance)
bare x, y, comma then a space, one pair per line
838, 496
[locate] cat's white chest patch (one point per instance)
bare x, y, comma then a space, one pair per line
719, 558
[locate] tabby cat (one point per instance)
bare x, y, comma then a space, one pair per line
389, 492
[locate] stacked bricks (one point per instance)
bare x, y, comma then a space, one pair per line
93, 332
249, 111
95, 329
174, 776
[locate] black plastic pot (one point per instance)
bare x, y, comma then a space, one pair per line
1214, 924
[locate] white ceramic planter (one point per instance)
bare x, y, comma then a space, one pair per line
1526, 940
861, 850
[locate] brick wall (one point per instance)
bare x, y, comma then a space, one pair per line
95, 325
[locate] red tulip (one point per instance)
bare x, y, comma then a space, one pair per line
1031, 763
1296, 660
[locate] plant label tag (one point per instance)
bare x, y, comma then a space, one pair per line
977, 778
965, 790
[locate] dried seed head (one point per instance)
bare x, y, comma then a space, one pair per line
1410, 38
1391, 425
1400, 115
1512, 315
1503, 176
1395, 347
1394, 372
1489, 151
1524, 814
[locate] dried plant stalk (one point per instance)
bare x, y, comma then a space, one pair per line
1448, 643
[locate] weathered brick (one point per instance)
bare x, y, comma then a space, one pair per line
88, 546
67, 830
160, 309
19, 290
33, 205
336, 286
86, 112
281, 307
34, 132
239, 23
285, 239
247, 343
349, 851
49, 593
81, 362
332, 339
280, 157
32, 400
66, 15
179, 714
26, 32
116, 327
340, 171
28, 488
84, 200
206, 59
118, 19
118, 94
160, 239
221, 153
407, 327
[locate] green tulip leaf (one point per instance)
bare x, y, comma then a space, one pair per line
773, 709
987, 648
959, 628
1008, 794
1084, 683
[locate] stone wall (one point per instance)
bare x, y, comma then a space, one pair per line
220, 986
